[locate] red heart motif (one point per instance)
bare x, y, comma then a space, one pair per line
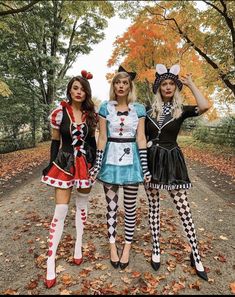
45, 178
87, 183
60, 183
52, 181
55, 220
84, 218
89, 75
68, 184
51, 236
122, 119
84, 73
49, 253
50, 244
52, 230
53, 225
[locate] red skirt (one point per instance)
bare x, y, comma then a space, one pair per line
78, 175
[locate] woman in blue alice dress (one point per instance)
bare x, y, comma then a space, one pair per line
121, 158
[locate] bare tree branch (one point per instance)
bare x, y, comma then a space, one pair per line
222, 75
18, 10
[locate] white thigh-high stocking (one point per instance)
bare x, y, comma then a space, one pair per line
56, 230
80, 220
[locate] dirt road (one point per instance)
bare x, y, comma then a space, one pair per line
25, 215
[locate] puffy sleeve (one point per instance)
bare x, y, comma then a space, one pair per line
56, 117
103, 111
141, 111
190, 111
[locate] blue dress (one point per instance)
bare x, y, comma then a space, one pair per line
121, 162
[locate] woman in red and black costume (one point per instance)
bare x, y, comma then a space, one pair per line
73, 150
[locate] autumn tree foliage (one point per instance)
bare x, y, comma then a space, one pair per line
205, 27
145, 44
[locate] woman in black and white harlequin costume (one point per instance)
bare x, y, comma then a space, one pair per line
165, 159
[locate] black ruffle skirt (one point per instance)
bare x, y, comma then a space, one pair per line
168, 168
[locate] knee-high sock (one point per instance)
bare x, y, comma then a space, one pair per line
56, 230
80, 220
111, 195
183, 208
154, 220
130, 196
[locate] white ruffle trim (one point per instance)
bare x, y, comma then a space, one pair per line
78, 183
168, 187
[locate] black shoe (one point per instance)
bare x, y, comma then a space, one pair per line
115, 264
155, 265
123, 265
201, 274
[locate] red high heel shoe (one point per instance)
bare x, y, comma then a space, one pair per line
49, 283
77, 261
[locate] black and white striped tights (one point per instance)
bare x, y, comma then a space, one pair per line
130, 196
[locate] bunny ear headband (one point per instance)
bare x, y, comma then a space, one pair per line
164, 73
131, 74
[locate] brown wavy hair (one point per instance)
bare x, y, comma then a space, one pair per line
87, 105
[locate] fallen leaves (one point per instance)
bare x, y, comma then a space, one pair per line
232, 287
220, 258
223, 237
23, 160
209, 158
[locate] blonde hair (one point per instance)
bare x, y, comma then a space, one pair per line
176, 109
132, 93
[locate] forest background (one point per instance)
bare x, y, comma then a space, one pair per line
42, 40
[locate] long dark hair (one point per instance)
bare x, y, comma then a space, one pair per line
87, 105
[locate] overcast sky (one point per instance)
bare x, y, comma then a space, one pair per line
96, 61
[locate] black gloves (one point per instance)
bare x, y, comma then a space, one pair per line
55, 145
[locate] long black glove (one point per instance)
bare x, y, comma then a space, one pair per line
98, 162
144, 164
55, 145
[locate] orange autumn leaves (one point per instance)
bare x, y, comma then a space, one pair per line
147, 43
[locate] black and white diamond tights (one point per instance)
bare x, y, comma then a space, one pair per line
181, 201
130, 195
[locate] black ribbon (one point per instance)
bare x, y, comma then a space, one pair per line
131, 74
119, 113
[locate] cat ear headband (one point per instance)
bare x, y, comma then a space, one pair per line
163, 73
131, 74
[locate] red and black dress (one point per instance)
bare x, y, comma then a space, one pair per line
76, 154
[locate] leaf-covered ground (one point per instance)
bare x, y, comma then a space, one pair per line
218, 157
14, 163
25, 218
26, 213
